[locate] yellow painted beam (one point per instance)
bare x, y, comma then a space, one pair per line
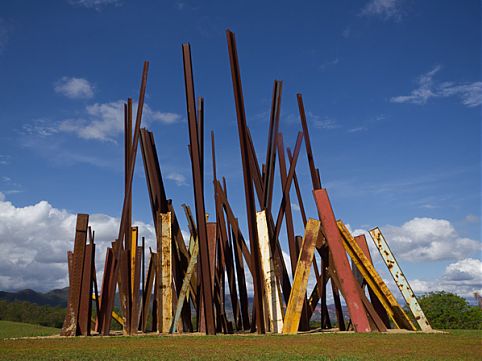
394, 311
133, 252
300, 282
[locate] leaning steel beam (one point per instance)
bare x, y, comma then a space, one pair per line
248, 184
113, 269
302, 273
362, 242
372, 277
272, 299
197, 173
340, 262
70, 327
185, 285
399, 278
271, 150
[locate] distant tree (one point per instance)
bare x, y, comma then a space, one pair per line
448, 311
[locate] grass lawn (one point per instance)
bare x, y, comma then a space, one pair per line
456, 345
9, 329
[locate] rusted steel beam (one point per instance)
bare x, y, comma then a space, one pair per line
234, 224
372, 277
146, 298
272, 299
362, 242
315, 178
197, 172
135, 303
399, 278
70, 327
300, 282
108, 290
113, 270
211, 230
271, 144
290, 231
248, 185
85, 312
127, 156
340, 262
124, 288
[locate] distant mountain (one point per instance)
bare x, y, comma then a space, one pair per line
54, 298
58, 297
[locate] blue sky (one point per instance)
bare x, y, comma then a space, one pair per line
392, 89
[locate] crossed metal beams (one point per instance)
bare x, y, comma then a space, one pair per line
182, 278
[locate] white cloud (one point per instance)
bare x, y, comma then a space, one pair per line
178, 178
95, 4
463, 278
74, 88
35, 240
386, 9
428, 239
105, 121
295, 207
470, 94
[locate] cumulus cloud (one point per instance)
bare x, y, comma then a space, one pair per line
95, 4
74, 88
428, 239
105, 121
470, 94
463, 277
385, 9
35, 240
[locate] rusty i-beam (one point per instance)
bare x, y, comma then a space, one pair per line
248, 184
197, 172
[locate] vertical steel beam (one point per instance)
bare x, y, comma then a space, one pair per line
197, 172
248, 184
272, 299
165, 290
70, 327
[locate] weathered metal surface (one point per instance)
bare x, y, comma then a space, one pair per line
340, 262
248, 184
362, 242
146, 299
273, 302
165, 296
197, 173
400, 279
133, 256
300, 282
85, 312
71, 319
369, 273
185, 285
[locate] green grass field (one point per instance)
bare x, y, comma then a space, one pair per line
456, 345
